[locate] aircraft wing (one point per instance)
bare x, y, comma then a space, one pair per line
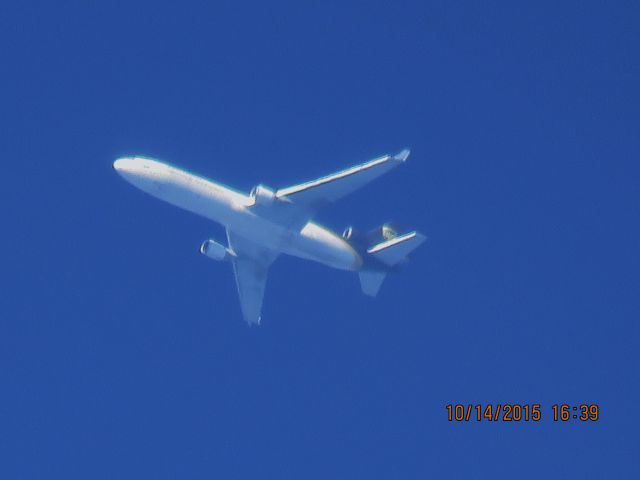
330, 188
250, 265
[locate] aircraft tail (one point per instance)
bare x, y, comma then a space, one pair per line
385, 255
371, 281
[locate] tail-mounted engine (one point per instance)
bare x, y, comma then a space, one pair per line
262, 195
381, 234
370, 238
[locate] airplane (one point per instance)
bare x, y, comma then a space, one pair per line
266, 223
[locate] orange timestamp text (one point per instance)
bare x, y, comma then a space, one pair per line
521, 412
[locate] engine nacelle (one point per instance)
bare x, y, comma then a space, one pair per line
349, 233
388, 231
365, 240
262, 195
214, 250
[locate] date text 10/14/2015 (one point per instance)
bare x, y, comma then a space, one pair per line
517, 412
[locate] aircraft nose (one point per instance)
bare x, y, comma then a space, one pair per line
123, 164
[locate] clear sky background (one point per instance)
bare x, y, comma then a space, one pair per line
123, 353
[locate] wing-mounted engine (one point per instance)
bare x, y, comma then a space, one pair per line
355, 237
350, 233
215, 251
266, 203
262, 195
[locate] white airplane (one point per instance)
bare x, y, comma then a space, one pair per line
266, 223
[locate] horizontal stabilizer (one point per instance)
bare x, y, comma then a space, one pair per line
371, 281
395, 250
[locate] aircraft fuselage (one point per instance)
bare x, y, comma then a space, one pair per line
233, 210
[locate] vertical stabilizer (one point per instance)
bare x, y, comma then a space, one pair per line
371, 281
389, 253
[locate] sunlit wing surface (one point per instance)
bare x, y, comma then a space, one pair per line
250, 265
332, 187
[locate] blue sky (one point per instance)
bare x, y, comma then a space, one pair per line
122, 349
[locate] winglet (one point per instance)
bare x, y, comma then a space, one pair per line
403, 155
